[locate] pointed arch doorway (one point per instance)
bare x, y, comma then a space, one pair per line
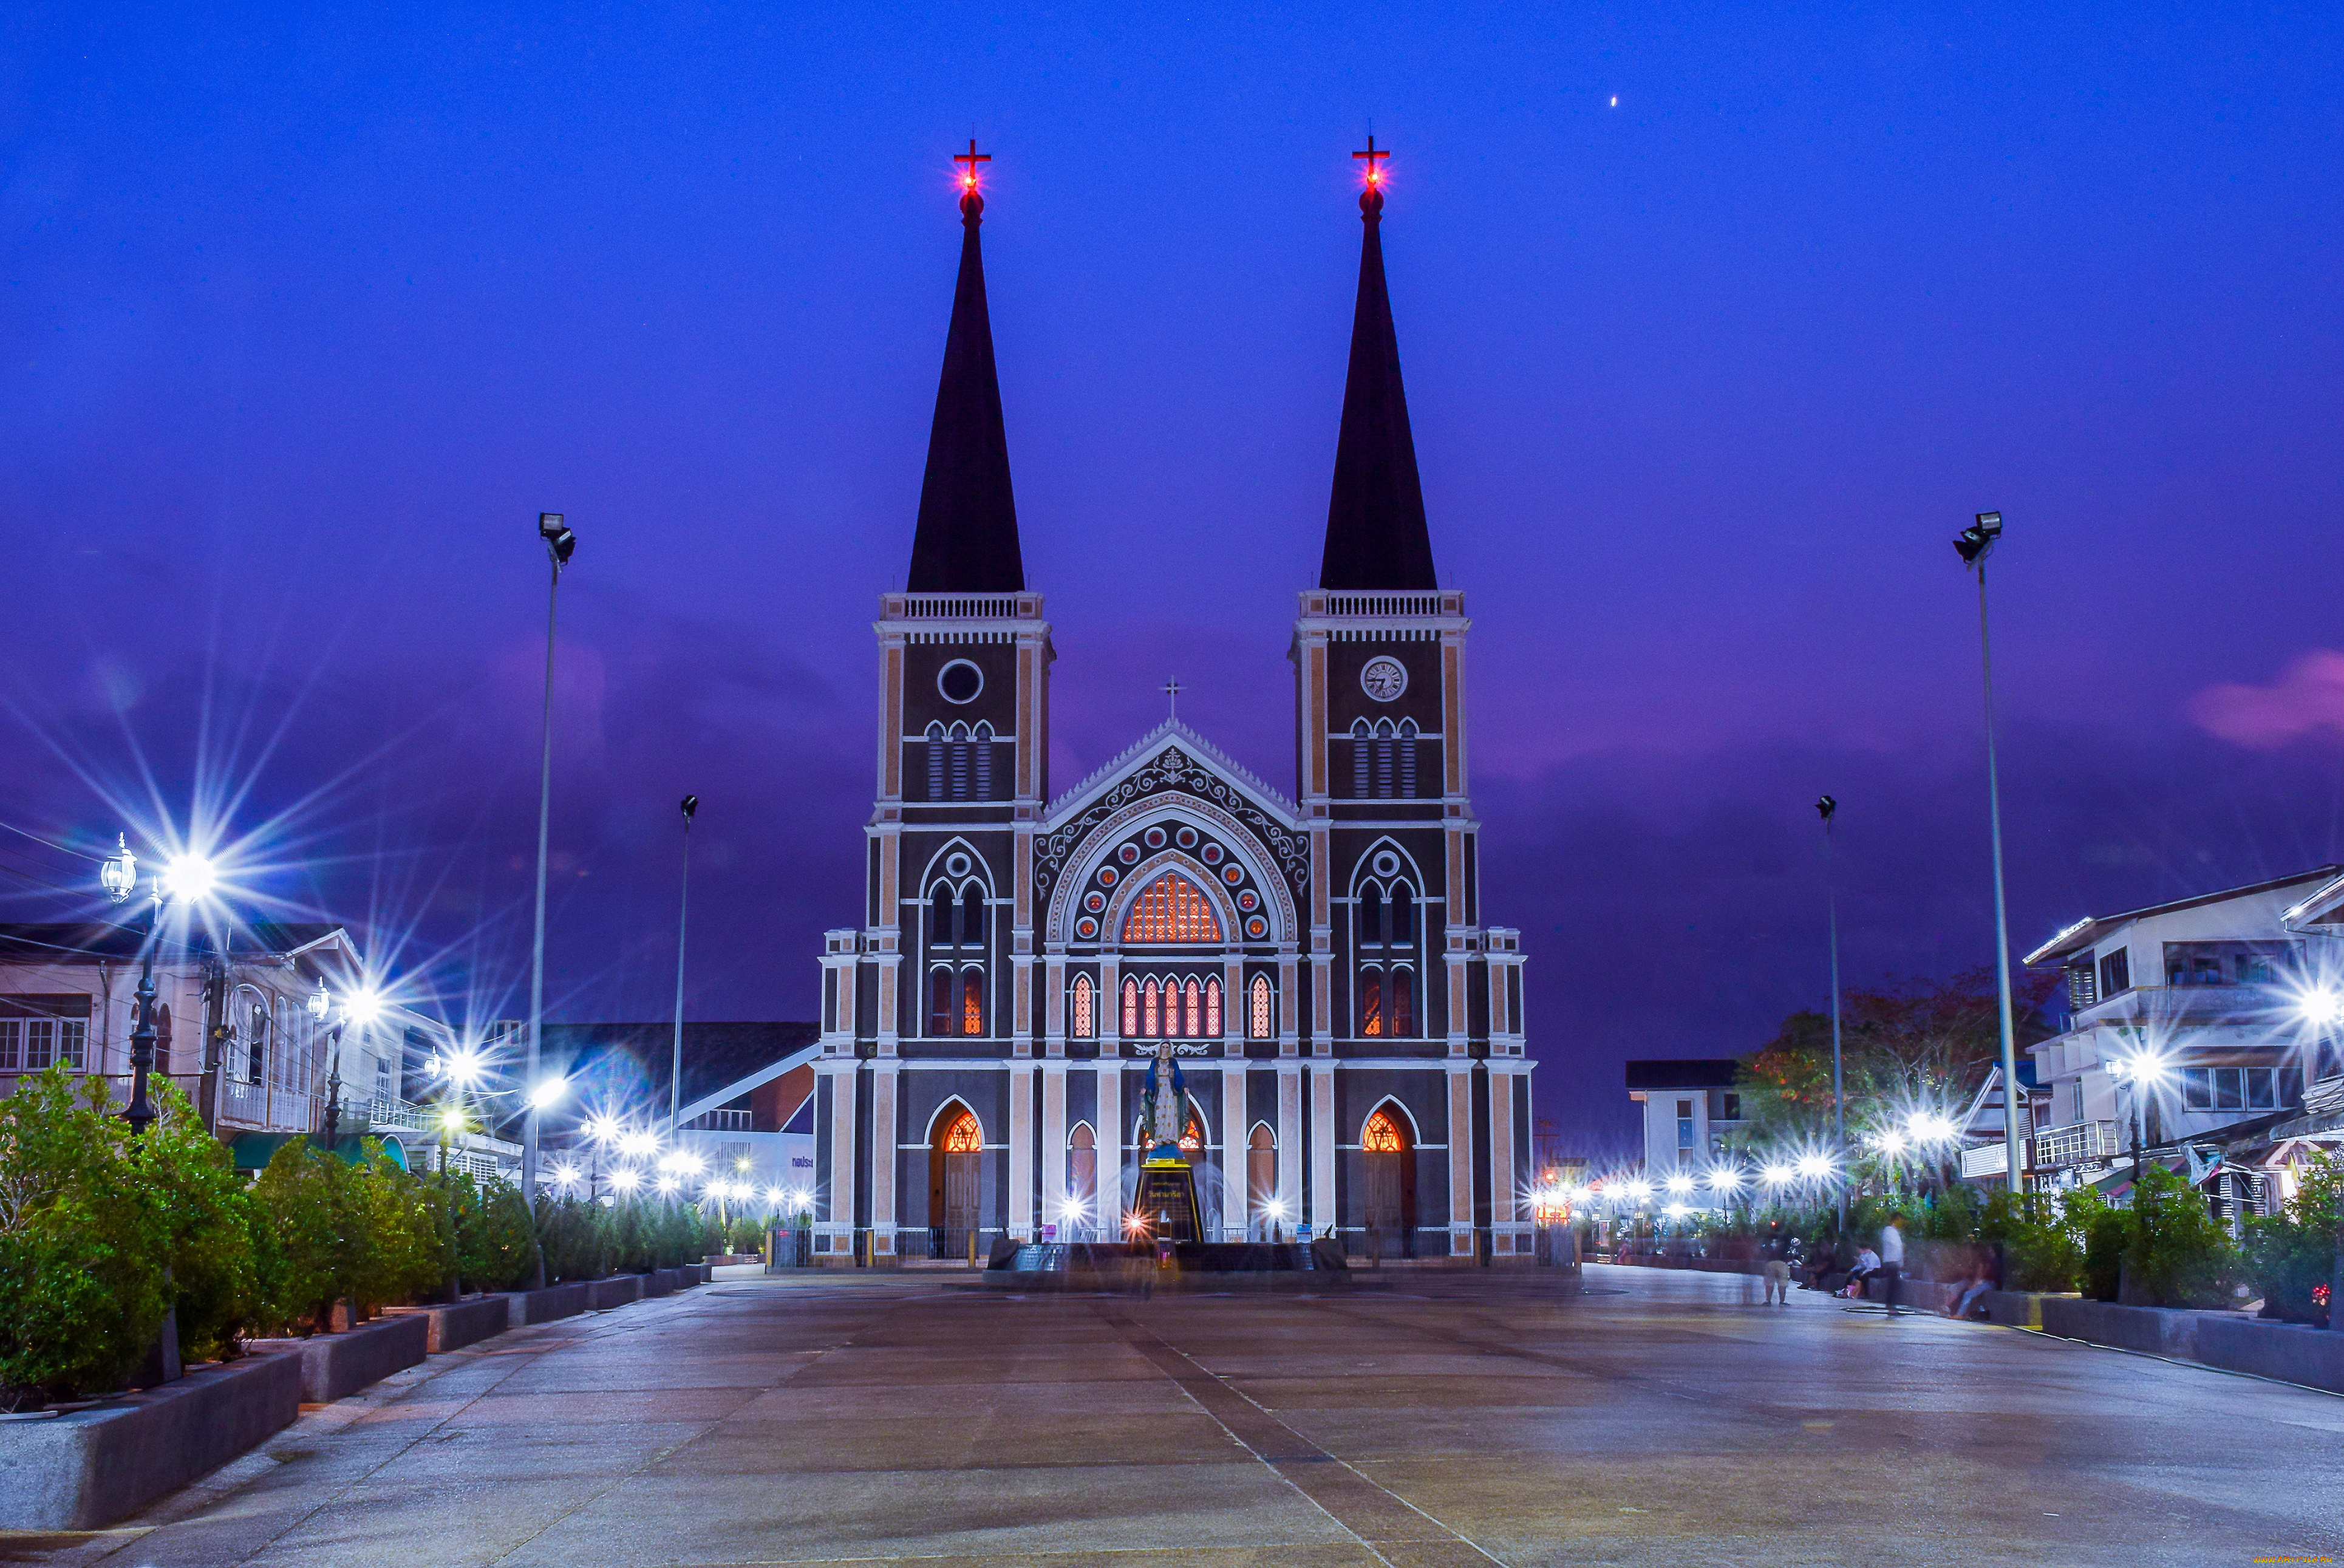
1387, 1169
955, 1184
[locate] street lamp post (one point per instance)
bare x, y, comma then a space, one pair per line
1975, 542
560, 541
1826, 806
119, 877
691, 807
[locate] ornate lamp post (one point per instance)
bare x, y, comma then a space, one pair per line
119, 877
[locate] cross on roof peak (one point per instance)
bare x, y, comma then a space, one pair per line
1375, 156
1172, 690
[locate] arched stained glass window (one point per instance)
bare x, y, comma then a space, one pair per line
1212, 1009
1382, 1135
1261, 1007
1085, 1021
1402, 984
1191, 1018
1171, 909
963, 1137
940, 1002
1148, 1024
971, 1002
1372, 1002
1131, 1009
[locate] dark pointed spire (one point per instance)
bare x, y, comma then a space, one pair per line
966, 541
1376, 532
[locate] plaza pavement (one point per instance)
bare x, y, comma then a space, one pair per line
1436, 1418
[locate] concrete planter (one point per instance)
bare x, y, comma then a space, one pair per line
336, 1366
659, 1282
462, 1323
602, 1295
2286, 1352
523, 1308
85, 1469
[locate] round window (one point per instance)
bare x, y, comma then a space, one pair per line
957, 865
1155, 837
1094, 901
1257, 927
1107, 874
1186, 838
1249, 900
1211, 853
1387, 863
1086, 928
1232, 875
1127, 853
960, 682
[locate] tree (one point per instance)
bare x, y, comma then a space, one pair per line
1919, 1042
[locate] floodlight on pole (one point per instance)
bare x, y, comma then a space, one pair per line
559, 545
1975, 543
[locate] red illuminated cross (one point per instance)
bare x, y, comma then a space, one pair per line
1375, 175
974, 158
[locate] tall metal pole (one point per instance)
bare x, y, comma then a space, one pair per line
683, 914
2001, 915
559, 542
1827, 806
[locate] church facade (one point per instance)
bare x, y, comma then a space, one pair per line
1349, 1030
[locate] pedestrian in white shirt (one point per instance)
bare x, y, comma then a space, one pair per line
1892, 1261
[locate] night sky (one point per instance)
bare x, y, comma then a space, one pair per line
307, 313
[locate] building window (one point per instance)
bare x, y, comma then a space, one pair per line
1684, 1124
12, 1045
2115, 973
2230, 1089
2083, 990
940, 1002
1381, 1135
40, 1043
257, 1039
1192, 1018
963, 1137
1261, 1007
1149, 1001
1515, 998
1732, 1107
1171, 909
1408, 759
1212, 1009
971, 1002
1371, 1003
1399, 985
1085, 1023
981, 779
1360, 748
1082, 1171
935, 762
1131, 1009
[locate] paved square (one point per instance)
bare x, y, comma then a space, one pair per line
1430, 1419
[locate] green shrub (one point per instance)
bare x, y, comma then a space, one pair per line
2178, 1256
2107, 1235
2290, 1255
745, 1235
2041, 1247
214, 1284
85, 1239
311, 1233
403, 1259
496, 1247
577, 1237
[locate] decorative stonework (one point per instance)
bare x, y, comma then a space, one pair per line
1173, 769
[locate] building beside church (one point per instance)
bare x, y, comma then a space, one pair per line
1350, 1030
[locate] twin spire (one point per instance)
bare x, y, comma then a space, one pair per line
966, 540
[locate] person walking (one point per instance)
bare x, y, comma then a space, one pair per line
1892, 1261
1774, 1250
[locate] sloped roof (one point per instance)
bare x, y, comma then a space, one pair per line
1172, 731
92, 942
2087, 932
624, 1067
1375, 532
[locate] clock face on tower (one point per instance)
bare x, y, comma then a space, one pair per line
1384, 679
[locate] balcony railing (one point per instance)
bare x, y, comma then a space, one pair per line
721, 1121
2077, 1144
961, 606
264, 1108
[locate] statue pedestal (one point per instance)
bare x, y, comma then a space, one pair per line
1165, 1199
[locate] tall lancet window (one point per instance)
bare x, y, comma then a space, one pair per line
1408, 759
1191, 1012
1131, 1009
1261, 1009
1083, 1023
1360, 748
1149, 1001
935, 762
1212, 1009
971, 1002
1171, 909
981, 763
